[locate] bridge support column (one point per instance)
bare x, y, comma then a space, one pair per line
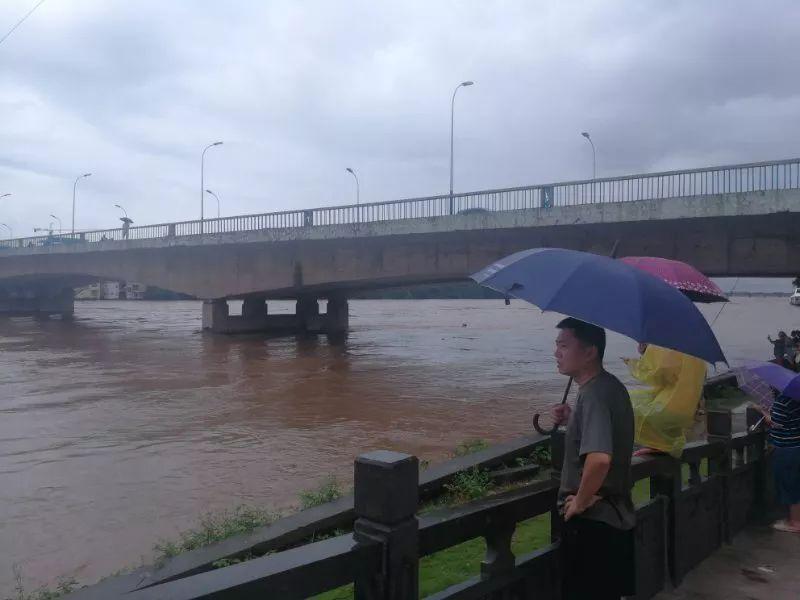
308, 317
255, 318
39, 303
215, 315
338, 315
254, 309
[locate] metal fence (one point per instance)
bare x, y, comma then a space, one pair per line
730, 179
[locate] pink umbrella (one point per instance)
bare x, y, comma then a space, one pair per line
686, 278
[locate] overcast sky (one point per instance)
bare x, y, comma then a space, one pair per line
132, 90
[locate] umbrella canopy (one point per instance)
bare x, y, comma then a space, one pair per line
607, 293
787, 382
686, 278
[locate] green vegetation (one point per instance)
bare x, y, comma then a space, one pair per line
453, 565
437, 572
328, 491
471, 446
63, 587
468, 485
215, 527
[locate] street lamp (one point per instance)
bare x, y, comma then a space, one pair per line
3, 196
10, 231
202, 184
60, 226
125, 212
594, 154
358, 187
216, 198
452, 123
74, 187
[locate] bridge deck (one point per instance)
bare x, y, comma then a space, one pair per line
762, 564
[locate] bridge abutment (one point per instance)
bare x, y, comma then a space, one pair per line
255, 317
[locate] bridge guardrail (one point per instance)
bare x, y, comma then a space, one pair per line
729, 179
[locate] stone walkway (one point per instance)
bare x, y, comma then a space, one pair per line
762, 564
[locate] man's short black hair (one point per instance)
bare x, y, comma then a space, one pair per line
588, 334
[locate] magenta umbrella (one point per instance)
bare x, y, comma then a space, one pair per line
685, 277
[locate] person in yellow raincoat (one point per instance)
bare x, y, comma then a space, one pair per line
665, 409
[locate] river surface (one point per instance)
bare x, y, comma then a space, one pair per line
124, 426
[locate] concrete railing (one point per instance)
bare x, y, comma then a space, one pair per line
695, 504
729, 179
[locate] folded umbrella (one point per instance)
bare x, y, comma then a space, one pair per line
696, 286
607, 293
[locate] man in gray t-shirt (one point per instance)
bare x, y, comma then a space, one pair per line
601, 422
595, 492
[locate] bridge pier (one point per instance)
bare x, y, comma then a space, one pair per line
255, 317
40, 303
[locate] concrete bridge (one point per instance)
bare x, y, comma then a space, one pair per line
737, 220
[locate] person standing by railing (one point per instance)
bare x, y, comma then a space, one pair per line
595, 492
783, 420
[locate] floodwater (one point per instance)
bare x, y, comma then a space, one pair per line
124, 426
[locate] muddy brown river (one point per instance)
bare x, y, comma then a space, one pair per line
125, 425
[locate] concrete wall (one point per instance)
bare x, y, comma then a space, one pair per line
753, 234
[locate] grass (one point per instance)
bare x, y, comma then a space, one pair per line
215, 527
437, 572
468, 485
62, 587
453, 565
540, 456
471, 446
328, 491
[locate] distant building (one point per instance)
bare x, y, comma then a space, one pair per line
109, 290
112, 290
134, 291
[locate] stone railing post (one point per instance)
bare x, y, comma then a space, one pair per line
759, 457
171, 230
668, 485
719, 427
556, 464
386, 500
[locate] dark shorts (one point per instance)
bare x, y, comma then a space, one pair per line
786, 462
598, 561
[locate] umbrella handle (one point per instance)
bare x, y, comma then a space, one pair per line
536, 417
540, 429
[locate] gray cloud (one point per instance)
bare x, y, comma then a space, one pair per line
299, 91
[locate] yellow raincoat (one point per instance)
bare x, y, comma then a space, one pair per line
665, 410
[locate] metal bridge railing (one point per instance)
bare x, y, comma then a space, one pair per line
730, 179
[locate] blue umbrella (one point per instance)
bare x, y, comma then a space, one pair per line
787, 382
607, 293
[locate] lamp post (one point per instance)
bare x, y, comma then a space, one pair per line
452, 126
594, 154
358, 187
217, 199
3, 196
74, 188
125, 212
202, 183
60, 226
